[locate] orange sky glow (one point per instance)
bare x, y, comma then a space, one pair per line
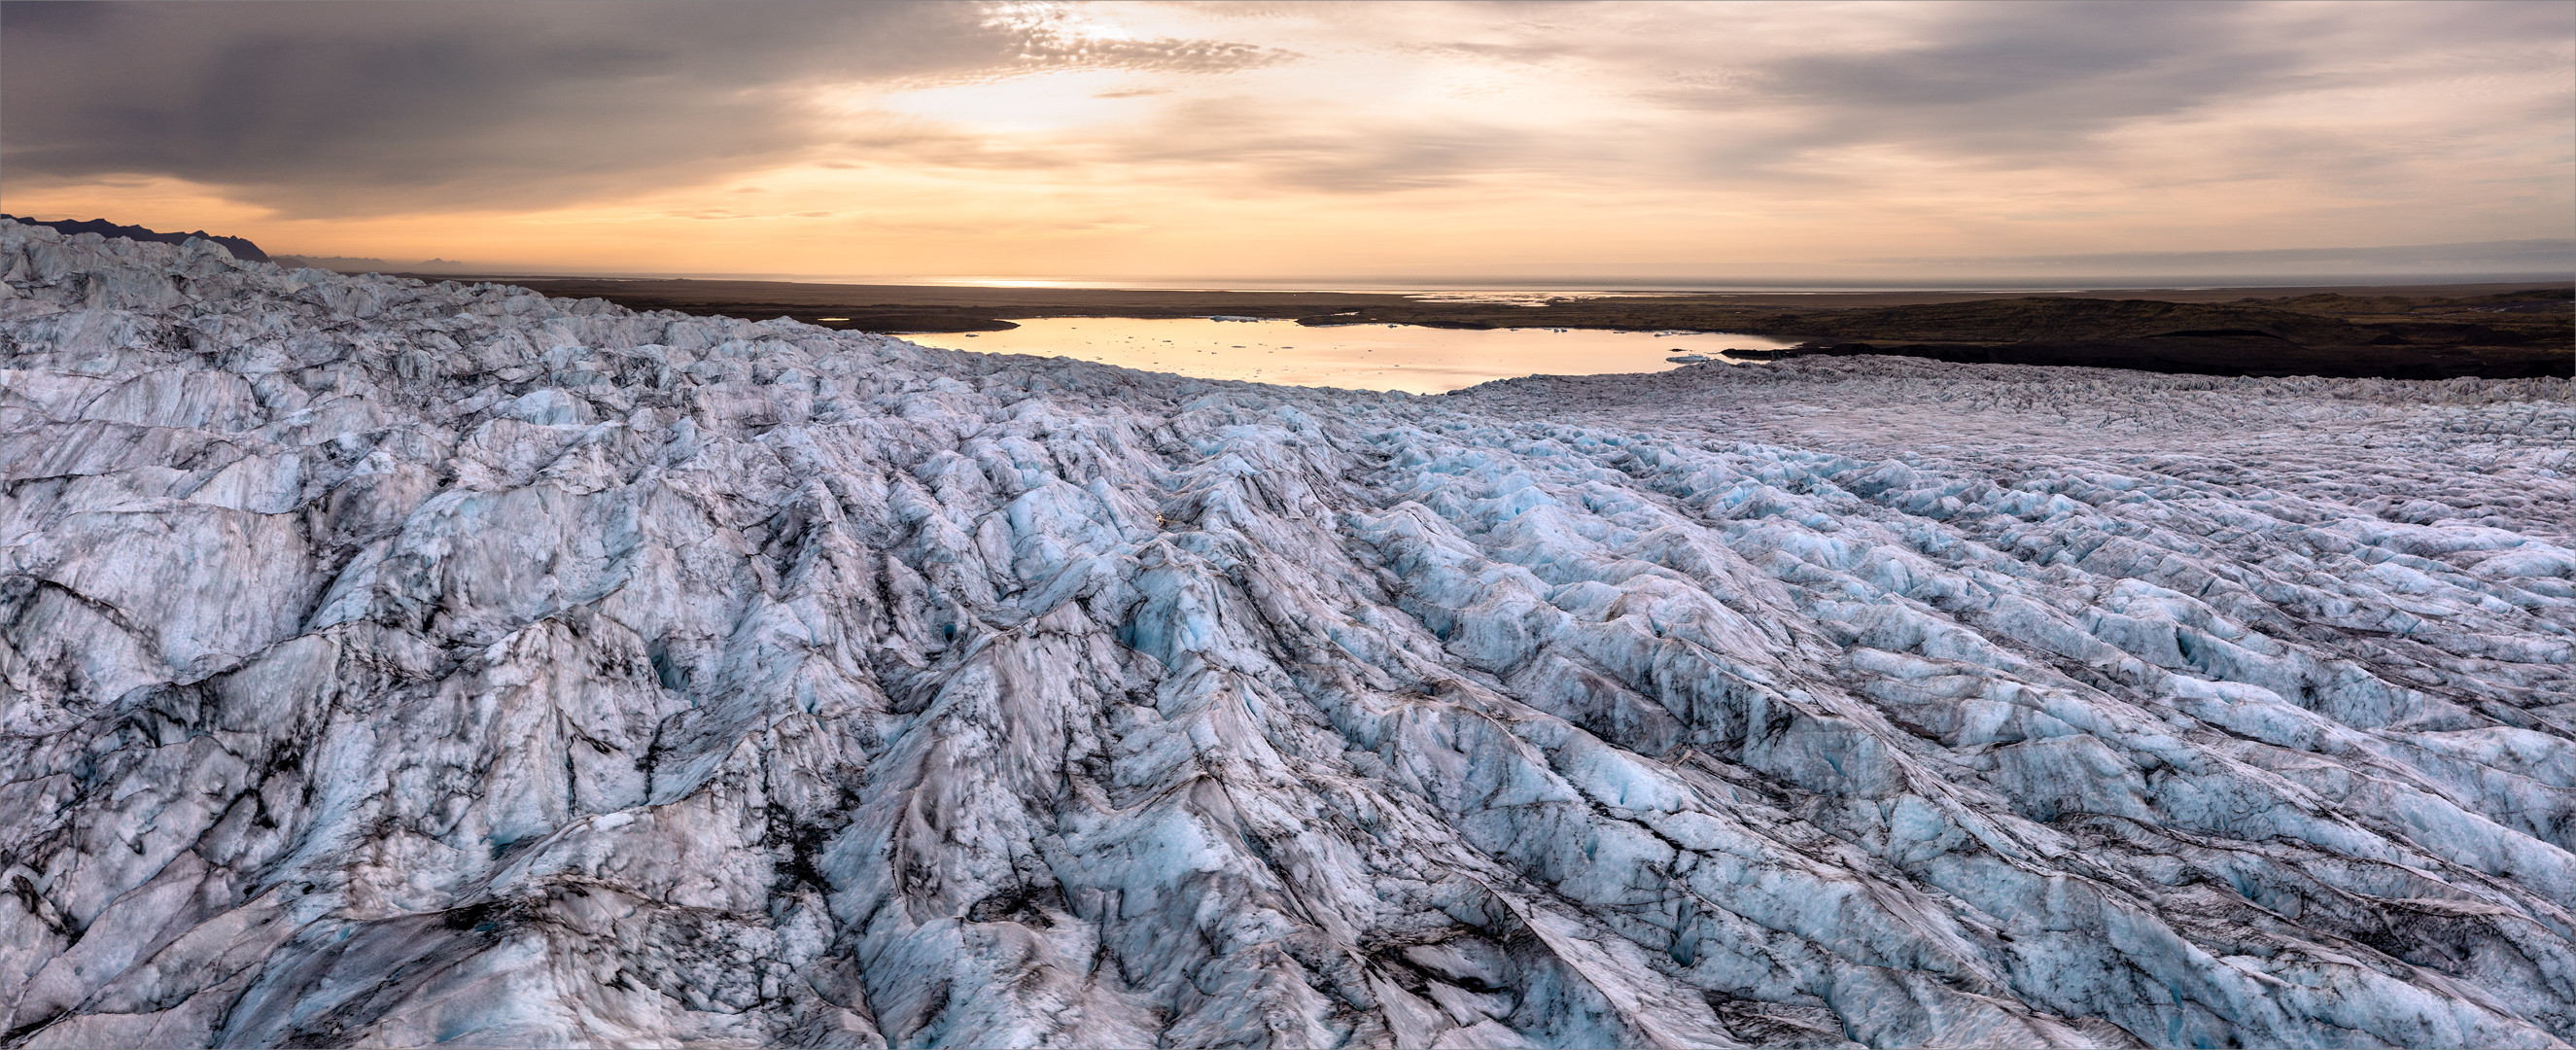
1244, 141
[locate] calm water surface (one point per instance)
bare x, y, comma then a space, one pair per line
1366, 357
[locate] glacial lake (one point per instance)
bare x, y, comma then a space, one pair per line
1362, 357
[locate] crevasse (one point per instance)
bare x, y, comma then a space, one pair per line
391, 664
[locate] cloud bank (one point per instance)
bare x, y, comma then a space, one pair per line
400, 106
1251, 138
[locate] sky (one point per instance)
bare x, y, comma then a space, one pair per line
1317, 141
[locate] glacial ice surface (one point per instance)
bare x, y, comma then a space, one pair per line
393, 664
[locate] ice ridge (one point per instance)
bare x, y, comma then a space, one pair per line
387, 663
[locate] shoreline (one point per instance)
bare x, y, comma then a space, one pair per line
2490, 330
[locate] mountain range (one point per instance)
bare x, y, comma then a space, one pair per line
241, 247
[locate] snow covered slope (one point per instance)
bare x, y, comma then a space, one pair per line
394, 664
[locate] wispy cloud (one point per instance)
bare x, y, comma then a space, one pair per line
407, 105
1367, 133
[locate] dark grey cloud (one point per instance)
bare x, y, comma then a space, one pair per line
1755, 95
1741, 95
356, 108
2003, 84
353, 108
2045, 60
2010, 84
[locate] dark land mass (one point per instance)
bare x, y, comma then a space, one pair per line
2520, 334
930, 308
240, 247
2391, 332
2517, 333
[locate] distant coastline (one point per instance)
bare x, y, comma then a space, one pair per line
2414, 331
2403, 330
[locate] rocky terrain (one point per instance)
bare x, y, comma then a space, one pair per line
394, 664
238, 247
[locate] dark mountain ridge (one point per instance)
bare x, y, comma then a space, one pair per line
241, 247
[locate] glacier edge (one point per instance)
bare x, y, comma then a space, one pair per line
397, 664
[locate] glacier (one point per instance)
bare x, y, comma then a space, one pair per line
403, 664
